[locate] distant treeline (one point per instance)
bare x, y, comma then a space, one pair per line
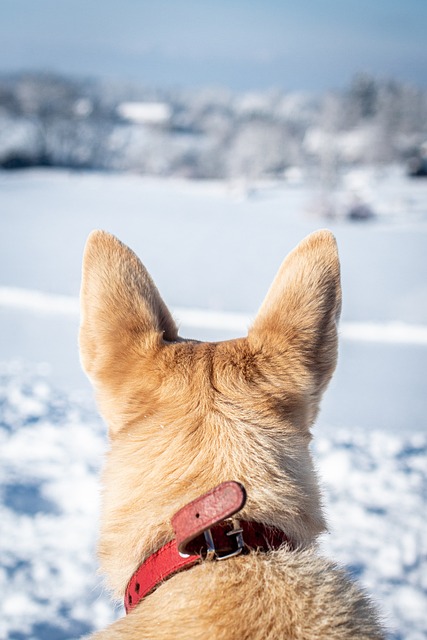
47, 120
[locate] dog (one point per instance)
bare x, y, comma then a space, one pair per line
209, 467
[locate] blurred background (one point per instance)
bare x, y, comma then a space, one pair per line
213, 90
211, 137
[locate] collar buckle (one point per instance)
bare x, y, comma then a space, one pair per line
235, 534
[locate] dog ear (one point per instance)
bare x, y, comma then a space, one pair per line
120, 306
298, 318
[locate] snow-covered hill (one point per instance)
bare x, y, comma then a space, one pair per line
213, 257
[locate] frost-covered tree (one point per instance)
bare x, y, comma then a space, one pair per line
48, 119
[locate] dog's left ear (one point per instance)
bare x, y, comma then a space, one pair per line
297, 322
120, 307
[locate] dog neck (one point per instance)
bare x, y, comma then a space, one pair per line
206, 528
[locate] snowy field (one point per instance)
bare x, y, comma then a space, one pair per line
213, 256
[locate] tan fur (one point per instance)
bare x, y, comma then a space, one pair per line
184, 416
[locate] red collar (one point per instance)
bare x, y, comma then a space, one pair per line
204, 528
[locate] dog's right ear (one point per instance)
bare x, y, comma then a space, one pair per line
120, 307
297, 324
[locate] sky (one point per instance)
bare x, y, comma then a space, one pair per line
241, 44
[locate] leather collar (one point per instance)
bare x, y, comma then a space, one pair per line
204, 529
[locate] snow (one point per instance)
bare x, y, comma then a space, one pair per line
392, 332
376, 494
213, 258
45, 303
38, 301
145, 112
50, 452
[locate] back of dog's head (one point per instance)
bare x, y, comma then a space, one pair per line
185, 415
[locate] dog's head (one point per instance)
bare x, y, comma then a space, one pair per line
184, 416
